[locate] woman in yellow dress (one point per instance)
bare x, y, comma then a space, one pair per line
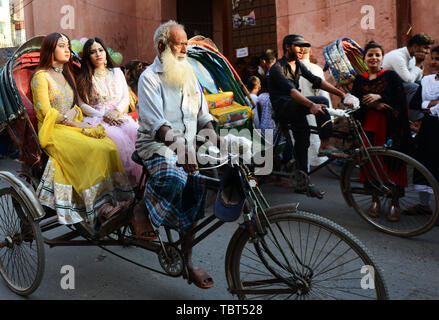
84, 177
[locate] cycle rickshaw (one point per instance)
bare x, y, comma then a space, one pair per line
275, 253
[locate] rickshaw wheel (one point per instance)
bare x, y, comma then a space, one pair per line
21, 245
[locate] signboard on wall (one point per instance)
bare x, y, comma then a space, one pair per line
242, 52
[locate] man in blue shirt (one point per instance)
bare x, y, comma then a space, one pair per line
290, 106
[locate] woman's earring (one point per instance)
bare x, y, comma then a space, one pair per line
105, 63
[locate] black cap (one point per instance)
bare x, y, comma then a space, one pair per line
297, 40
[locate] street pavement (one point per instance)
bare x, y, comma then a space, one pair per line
410, 265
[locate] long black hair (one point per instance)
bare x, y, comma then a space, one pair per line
85, 76
47, 54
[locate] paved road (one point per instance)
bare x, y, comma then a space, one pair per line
410, 265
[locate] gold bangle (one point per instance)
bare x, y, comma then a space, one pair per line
62, 118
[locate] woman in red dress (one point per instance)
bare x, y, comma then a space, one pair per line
384, 117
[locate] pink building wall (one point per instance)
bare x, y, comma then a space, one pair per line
125, 26
322, 22
425, 18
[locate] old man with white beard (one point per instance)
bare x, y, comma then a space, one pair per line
172, 108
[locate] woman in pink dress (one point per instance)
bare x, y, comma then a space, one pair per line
105, 100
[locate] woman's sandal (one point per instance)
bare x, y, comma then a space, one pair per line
107, 211
311, 191
200, 278
143, 228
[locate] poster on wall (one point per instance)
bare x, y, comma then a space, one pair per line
237, 21
249, 20
235, 4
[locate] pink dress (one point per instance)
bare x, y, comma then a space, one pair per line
110, 93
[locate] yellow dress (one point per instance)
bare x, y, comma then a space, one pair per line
83, 172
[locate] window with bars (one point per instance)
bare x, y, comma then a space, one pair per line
261, 35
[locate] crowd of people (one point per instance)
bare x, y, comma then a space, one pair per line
91, 182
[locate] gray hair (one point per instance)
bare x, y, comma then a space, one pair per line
163, 33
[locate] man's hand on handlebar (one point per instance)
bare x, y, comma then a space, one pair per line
317, 108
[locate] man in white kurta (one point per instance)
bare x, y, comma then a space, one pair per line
172, 108
306, 88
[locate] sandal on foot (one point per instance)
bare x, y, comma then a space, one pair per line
143, 228
330, 154
107, 211
311, 191
200, 278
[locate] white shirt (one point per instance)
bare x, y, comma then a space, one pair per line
430, 92
183, 110
254, 98
306, 87
400, 61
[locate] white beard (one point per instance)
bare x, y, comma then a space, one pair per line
177, 73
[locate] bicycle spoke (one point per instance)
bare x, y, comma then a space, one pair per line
262, 282
321, 250
338, 275
338, 266
351, 293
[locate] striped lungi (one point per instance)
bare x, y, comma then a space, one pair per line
171, 198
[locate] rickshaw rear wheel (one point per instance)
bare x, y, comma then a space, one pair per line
22, 256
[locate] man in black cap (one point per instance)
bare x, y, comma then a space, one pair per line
291, 106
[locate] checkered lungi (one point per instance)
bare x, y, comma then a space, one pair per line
171, 198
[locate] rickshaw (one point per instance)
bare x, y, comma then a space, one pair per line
276, 252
